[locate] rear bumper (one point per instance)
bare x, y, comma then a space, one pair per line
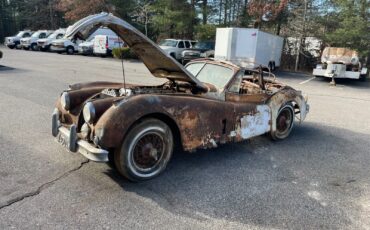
68, 138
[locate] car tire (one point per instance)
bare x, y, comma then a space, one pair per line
26, 48
145, 151
34, 47
11, 46
284, 122
70, 50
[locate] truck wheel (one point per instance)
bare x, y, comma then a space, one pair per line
145, 151
70, 50
362, 77
34, 47
284, 122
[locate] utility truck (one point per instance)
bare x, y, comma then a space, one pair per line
340, 63
248, 47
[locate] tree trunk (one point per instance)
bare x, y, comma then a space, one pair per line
205, 11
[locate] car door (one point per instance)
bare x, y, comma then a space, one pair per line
252, 116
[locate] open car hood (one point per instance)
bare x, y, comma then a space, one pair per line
156, 60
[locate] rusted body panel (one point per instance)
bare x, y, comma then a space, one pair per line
202, 122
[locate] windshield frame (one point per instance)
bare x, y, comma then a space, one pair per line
226, 85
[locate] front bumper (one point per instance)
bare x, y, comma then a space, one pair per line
68, 138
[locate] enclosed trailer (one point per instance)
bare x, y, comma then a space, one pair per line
248, 47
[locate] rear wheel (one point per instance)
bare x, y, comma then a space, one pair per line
284, 122
145, 151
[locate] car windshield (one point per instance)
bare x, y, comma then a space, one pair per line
171, 43
36, 35
216, 75
20, 34
53, 35
204, 45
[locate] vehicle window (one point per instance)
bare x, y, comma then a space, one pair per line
181, 44
187, 44
193, 43
42, 35
59, 36
216, 75
195, 68
26, 35
235, 86
205, 45
171, 43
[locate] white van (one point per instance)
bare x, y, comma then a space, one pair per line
104, 44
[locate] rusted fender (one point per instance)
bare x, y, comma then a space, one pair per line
202, 122
281, 98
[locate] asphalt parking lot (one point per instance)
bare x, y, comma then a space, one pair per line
318, 178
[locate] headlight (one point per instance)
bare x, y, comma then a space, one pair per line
65, 101
89, 112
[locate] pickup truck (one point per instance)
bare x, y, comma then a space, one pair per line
201, 49
31, 42
44, 43
174, 47
15, 41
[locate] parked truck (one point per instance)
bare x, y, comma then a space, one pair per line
248, 47
340, 63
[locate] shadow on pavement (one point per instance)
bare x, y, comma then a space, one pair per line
5, 68
304, 180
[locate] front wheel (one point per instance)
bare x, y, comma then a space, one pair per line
284, 122
70, 50
145, 151
34, 47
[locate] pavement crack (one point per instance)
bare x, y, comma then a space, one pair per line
42, 187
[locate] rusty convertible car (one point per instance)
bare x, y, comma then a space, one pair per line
202, 105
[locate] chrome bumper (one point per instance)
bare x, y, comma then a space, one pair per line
68, 138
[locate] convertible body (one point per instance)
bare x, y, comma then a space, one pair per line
202, 105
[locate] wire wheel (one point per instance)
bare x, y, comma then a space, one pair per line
145, 151
148, 151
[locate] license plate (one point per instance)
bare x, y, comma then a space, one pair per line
64, 141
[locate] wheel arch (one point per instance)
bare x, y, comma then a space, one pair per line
284, 97
165, 119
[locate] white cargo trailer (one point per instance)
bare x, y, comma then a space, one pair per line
248, 47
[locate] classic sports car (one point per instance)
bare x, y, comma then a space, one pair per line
202, 105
